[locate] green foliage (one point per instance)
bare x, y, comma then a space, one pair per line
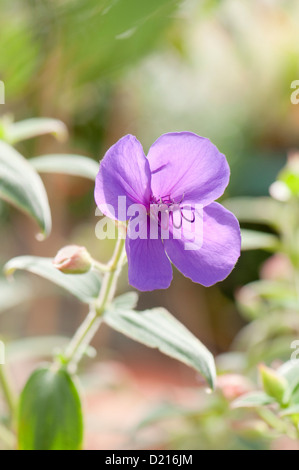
271, 303
14, 132
253, 240
289, 176
260, 210
21, 186
254, 400
50, 413
126, 301
74, 165
274, 384
94, 38
59, 54
14, 294
85, 287
157, 328
19, 49
118, 32
281, 392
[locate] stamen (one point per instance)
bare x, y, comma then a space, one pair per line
186, 218
167, 204
173, 221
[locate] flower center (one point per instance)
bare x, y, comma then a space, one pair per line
175, 210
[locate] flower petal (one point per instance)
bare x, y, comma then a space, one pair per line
219, 252
149, 267
189, 167
124, 171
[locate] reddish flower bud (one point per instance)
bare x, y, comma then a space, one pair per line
73, 259
233, 386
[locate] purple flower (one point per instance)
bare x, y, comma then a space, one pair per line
181, 170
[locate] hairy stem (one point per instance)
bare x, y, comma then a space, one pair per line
7, 437
8, 394
92, 322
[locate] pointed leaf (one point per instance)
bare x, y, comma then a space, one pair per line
13, 294
74, 165
21, 186
157, 328
290, 371
274, 384
126, 301
29, 128
50, 413
253, 400
254, 240
85, 287
264, 210
292, 410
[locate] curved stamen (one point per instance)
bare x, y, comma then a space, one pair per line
173, 221
191, 221
183, 196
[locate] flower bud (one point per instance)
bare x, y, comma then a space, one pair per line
73, 259
233, 386
273, 384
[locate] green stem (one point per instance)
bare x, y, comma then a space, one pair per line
100, 267
277, 424
8, 393
92, 322
7, 437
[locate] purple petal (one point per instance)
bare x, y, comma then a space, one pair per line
124, 171
219, 252
149, 267
189, 167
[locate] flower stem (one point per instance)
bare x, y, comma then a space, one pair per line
7, 437
92, 322
275, 423
8, 394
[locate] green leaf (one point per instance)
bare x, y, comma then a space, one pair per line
13, 294
274, 384
256, 298
254, 240
50, 413
262, 210
290, 371
292, 410
85, 287
253, 400
74, 165
156, 328
23, 130
21, 186
31, 348
126, 301
290, 175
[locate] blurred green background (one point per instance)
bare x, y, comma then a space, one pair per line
222, 69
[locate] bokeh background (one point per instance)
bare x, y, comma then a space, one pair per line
221, 69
